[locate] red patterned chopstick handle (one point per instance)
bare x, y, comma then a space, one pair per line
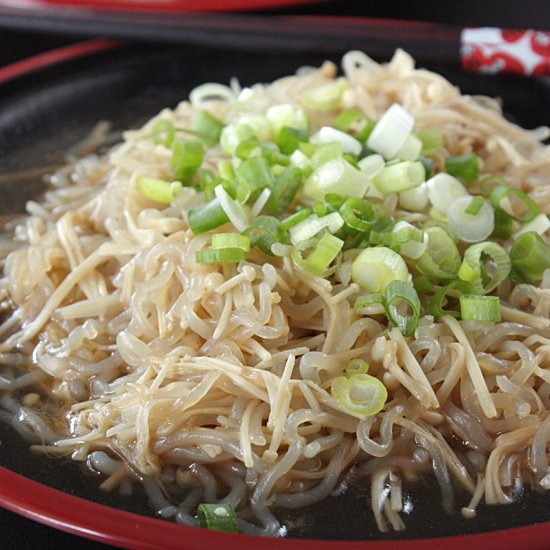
492, 50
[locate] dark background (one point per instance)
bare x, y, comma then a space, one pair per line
15, 44
515, 14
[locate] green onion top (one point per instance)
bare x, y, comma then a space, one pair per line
432, 141
485, 277
530, 257
158, 190
206, 127
356, 366
480, 308
401, 292
187, 157
528, 208
465, 167
218, 517
164, 132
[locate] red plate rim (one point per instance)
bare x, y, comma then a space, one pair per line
159, 5
116, 527
112, 526
53, 57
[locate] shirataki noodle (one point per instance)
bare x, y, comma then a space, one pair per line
211, 382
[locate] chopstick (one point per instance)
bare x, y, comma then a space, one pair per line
327, 35
488, 50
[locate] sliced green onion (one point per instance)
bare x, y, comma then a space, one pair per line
299, 160
422, 284
234, 134
209, 91
202, 180
260, 202
371, 165
187, 157
230, 240
414, 199
158, 190
413, 249
381, 228
295, 219
400, 233
205, 181
324, 252
405, 231
530, 257
444, 224
375, 268
226, 170
471, 228
440, 299
403, 237
432, 141
540, 225
253, 174
428, 164
352, 159
490, 182
219, 255
218, 517
207, 127
356, 366
410, 150
475, 205
401, 176
313, 225
443, 190
474, 271
164, 132
284, 190
360, 394
366, 300
206, 217
480, 308
395, 293
325, 97
465, 167
391, 131
335, 201
236, 213
286, 115
356, 241
503, 225
263, 232
248, 148
272, 153
289, 139
335, 176
321, 209
355, 123
522, 200
327, 134
441, 259
321, 153
358, 214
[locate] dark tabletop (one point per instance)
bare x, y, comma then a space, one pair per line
20, 533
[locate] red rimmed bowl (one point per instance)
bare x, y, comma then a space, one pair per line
167, 6
45, 111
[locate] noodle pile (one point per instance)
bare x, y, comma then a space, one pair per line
211, 382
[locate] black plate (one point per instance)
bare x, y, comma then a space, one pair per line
45, 113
